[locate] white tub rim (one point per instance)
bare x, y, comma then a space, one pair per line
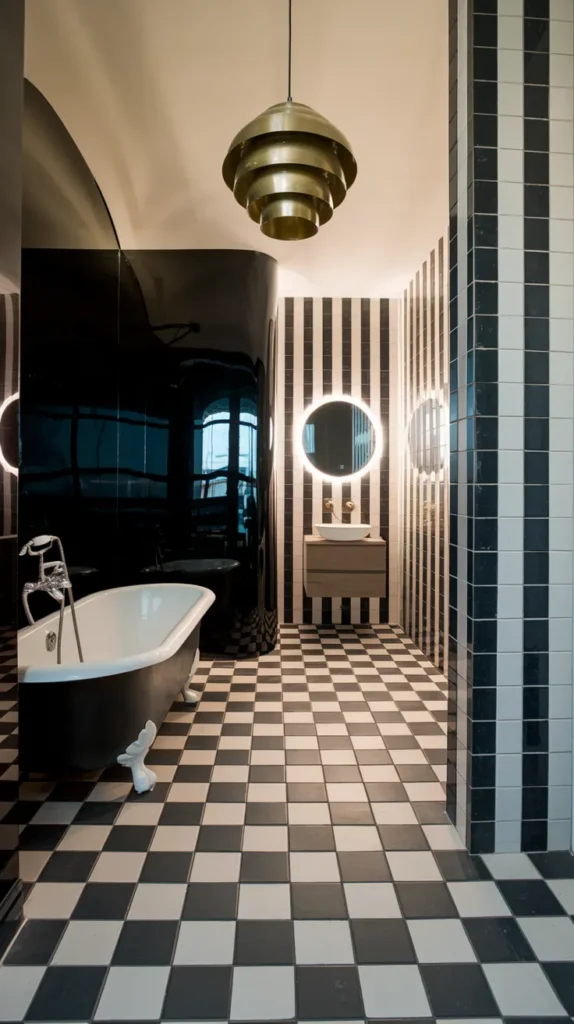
94, 669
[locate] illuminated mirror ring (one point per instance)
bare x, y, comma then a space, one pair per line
376, 447
3, 460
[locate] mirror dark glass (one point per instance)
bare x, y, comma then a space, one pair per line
339, 438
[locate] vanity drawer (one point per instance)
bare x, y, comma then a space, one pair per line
345, 568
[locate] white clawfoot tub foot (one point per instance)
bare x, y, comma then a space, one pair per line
191, 696
143, 777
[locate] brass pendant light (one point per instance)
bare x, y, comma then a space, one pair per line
289, 168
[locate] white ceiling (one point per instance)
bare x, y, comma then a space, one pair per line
152, 91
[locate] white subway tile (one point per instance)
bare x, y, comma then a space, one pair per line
561, 165
562, 301
560, 701
560, 468
560, 802
560, 667
559, 734
561, 434
561, 236
510, 433
561, 202
562, 268
511, 265
510, 566
561, 104
561, 10
509, 601
510, 66
559, 765
561, 399
511, 195
510, 533
508, 708
508, 804
510, 635
507, 836
511, 399
510, 104
560, 834
512, 8
510, 33
559, 568
509, 768
511, 467
511, 232
561, 499
560, 634
561, 71
510, 367
561, 38
511, 299
561, 134
509, 669
511, 133
560, 534
510, 499
561, 336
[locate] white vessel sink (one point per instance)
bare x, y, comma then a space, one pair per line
343, 531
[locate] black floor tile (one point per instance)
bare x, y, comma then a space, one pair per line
166, 867
561, 977
227, 792
364, 867
35, 943
146, 942
322, 900
498, 940
415, 773
97, 813
403, 837
193, 773
69, 866
530, 898
556, 864
458, 990
373, 757
386, 792
328, 993
306, 792
459, 866
264, 942
266, 814
213, 901
267, 773
104, 901
432, 812
264, 867
67, 994
342, 773
351, 814
181, 814
129, 838
220, 837
425, 899
232, 757
198, 993
382, 942
311, 837
41, 837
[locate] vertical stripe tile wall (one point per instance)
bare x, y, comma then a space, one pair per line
509, 776
329, 346
424, 358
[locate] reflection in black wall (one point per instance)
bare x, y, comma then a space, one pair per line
146, 408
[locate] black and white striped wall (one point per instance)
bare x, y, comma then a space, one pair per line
424, 410
329, 346
512, 381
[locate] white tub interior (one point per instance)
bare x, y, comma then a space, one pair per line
119, 629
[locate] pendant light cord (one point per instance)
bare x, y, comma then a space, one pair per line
289, 97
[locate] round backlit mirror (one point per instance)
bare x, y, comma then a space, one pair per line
340, 438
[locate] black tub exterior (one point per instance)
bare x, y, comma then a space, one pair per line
85, 724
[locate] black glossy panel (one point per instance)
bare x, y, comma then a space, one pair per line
147, 424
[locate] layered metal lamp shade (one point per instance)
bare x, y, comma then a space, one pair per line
289, 168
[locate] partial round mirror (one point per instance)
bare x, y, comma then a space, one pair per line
340, 438
427, 436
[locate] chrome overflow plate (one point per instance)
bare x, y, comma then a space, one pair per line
51, 640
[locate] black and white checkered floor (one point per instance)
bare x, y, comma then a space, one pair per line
294, 862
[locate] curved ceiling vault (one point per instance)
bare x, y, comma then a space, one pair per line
152, 92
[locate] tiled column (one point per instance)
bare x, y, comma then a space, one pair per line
512, 392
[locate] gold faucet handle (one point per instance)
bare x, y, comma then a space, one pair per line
350, 505
329, 505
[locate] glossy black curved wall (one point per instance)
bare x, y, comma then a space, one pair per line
147, 403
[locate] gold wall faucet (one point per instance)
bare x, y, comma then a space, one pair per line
329, 506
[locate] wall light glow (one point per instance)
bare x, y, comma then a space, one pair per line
3, 460
428, 436
377, 430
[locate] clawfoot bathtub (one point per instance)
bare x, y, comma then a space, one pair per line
141, 648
